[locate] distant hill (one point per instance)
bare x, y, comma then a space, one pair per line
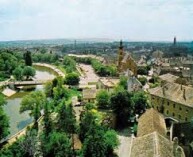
47, 42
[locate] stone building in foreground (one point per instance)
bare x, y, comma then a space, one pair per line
151, 140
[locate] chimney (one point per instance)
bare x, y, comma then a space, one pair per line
184, 94
164, 91
175, 145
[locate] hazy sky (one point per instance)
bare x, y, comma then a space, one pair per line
152, 20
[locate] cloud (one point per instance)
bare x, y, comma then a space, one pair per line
127, 19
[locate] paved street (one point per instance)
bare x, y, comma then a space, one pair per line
89, 74
124, 147
125, 139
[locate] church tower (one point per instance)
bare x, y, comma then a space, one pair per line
174, 41
120, 55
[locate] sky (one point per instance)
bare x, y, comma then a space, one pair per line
132, 20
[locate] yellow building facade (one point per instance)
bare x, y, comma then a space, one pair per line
173, 100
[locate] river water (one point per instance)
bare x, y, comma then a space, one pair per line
18, 121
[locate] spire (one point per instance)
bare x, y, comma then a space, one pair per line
174, 40
121, 44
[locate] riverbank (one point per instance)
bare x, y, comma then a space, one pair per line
52, 67
18, 120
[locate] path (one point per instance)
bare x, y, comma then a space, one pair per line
124, 148
125, 138
88, 74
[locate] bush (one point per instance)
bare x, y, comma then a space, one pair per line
143, 80
72, 79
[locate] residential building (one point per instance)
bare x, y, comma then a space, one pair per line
168, 78
89, 95
173, 100
107, 83
133, 84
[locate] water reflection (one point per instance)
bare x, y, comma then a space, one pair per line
19, 121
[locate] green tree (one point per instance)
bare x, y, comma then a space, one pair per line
34, 102
56, 144
48, 126
103, 99
4, 124
142, 71
143, 80
2, 100
8, 62
111, 141
28, 144
28, 71
72, 79
60, 92
87, 119
18, 73
94, 145
122, 106
14, 149
123, 82
48, 88
69, 64
66, 118
139, 100
4, 121
28, 58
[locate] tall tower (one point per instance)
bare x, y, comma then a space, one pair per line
174, 40
120, 55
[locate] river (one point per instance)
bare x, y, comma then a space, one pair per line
18, 120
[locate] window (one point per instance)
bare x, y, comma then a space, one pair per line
180, 108
167, 112
173, 114
168, 103
174, 105
186, 119
186, 111
179, 116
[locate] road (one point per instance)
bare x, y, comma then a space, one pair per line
88, 74
124, 147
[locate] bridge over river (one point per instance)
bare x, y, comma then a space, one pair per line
27, 83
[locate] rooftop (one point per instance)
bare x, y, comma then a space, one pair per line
151, 145
155, 122
174, 92
168, 77
109, 82
89, 93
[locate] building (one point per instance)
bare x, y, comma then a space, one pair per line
175, 41
133, 84
125, 61
89, 95
108, 83
168, 78
151, 138
173, 100
155, 122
